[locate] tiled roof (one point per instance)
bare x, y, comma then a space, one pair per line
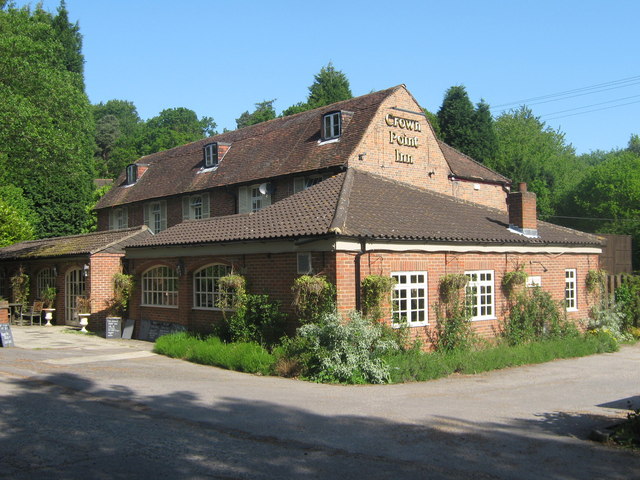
463, 166
359, 204
108, 241
278, 147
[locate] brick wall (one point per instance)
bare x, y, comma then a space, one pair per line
426, 167
551, 269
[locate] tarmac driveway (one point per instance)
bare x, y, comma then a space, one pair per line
111, 407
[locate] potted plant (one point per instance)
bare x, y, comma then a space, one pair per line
83, 306
49, 298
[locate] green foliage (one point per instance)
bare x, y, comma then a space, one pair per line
173, 127
335, 351
14, 225
313, 297
452, 329
627, 296
484, 140
529, 151
607, 317
375, 289
534, 315
49, 296
264, 111
20, 287
122, 290
456, 118
242, 357
627, 433
329, 86
595, 282
415, 365
435, 123
254, 318
69, 36
511, 281
47, 133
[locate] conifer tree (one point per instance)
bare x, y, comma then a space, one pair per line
456, 119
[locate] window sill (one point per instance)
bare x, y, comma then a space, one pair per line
482, 319
572, 309
159, 306
412, 325
328, 140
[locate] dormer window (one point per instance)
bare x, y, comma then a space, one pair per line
211, 155
331, 125
132, 174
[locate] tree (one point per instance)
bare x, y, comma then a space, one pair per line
433, 120
611, 190
529, 151
69, 36
484, 142
47, 127
456, 119
16, 216
634, 144
264, 111
173, 127
330, 86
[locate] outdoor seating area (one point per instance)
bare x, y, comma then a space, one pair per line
20, 314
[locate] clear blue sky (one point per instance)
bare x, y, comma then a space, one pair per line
219, 58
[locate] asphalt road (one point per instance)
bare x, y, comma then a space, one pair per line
84, 407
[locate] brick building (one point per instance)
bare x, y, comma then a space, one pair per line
355, 188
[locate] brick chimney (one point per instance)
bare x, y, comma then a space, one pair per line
522, 211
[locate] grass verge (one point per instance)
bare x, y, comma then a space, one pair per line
242, 357
419, 366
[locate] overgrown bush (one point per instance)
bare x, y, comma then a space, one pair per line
607, 316
452, 329
313, 297
255, 319
334, 351
375, 288
627, 297
534, 315
20, 287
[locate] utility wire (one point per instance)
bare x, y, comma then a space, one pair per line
594, 218
621, 83
591, 111
589, 106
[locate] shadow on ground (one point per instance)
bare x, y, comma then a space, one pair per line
65, 427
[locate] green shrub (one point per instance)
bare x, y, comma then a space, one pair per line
375, 288
313, 297
452, 329
256, 319
534, 315
241, 356
627, 297
607, 316
627, 433
334, 351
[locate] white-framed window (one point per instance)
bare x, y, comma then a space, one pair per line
251, 198
302, 183
570, 290
195, 207
160, 287
155, 215
118, 218
331, 125
46, 278
211, 155
480, 294
206, 286
132, 174
409, 301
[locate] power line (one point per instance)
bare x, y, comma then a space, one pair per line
594, 218
594, 110
614, 84
589, 106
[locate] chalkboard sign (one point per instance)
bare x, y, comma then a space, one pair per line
151, 330
6, 337
128, 329
114, 327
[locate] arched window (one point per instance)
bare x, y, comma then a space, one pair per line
206, 287
46, 278
160, 287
